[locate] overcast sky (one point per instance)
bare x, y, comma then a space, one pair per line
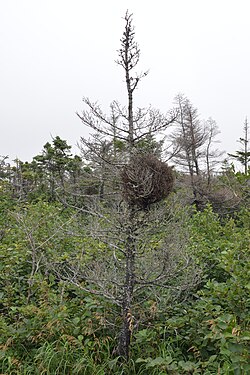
54, 52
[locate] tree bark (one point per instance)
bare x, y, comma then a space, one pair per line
128, 291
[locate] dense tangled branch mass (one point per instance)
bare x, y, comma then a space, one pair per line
146, 180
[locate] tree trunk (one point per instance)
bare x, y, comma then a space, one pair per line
128, 291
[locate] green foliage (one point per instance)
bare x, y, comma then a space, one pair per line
61, 330
209, 333
49, 326
7, 203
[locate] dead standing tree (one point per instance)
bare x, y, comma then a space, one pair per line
143, 180
189, 138
193, 141
126, 125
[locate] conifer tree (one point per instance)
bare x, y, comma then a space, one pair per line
243, 155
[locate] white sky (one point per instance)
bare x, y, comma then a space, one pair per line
54, 52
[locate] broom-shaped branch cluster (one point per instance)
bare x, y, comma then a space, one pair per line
146, 180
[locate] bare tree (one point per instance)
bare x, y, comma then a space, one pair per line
126, 124
193, 146
188, 139
144, 255
212, 156
124, 223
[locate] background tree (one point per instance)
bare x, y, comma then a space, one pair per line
212, 156
243, 155
188, 140
193, 149
58, 172
52, 164
3, 167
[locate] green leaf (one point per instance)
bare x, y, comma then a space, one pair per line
156, 362
187, 366
76, 321
80, 338
235, 347
212, 358
113, 363
247, 286
142, 360
159, 361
